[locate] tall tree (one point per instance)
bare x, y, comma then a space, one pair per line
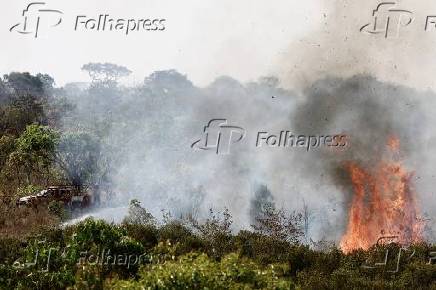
106, 73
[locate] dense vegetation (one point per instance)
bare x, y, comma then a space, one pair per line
39, 146
141, 253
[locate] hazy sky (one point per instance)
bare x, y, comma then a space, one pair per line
204, 39
299, 41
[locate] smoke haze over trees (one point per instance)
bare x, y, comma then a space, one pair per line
133, 142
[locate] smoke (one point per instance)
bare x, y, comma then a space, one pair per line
343, 82
147, 131
337, 48
368, 112
369, 88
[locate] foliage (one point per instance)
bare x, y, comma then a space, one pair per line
19, 112
38, 142
167, 80
25, 83
215, 232
38, 252
138, 215
198, 271
57, 208
34, 151
279, 224
105, 72
174, 257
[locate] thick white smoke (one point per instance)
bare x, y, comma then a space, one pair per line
341, 80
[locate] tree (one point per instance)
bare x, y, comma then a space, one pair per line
226, 82
262, 199
105, 73
307, 217
77, 155
24, 83
279, 224
268, 220
7, 146
23, 110
3, 92
269, 81
215, 225
138, 215
34, 150
47, 81
215, 231
167, 80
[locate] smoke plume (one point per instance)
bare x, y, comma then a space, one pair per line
336, 80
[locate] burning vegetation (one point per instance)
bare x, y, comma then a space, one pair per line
294, 248
383, 204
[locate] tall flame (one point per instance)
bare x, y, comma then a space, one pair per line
383, 203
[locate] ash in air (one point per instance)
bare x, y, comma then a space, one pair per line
145, 134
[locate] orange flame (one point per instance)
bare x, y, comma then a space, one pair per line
383, 204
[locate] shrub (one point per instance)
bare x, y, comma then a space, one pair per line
147, 235
215, 233
263, 249
57, 208
198, 271
279, 224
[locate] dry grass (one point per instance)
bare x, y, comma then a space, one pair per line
19, 222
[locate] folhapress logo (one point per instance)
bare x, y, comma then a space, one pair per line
219, 136
388, 20
37, 16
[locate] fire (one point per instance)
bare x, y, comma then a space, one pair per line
383, 203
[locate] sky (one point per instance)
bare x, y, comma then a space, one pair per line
298, 41
203, 39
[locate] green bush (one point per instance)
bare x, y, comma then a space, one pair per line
147, 235
176, 232
264, 249
198, 271
57, 208
173, 256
